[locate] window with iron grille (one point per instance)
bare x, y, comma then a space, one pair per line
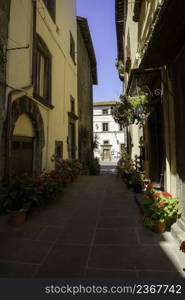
42, 80
106, 142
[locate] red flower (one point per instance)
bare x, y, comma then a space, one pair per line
150, 186
145, 196
182, 246
166, 194
157, 194
161, 204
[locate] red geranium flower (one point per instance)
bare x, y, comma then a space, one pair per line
166, 194
182, 246
161, 204
145, 197
157, 194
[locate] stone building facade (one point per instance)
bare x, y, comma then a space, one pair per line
109, 135
41, 85
152, 40
87, 77
4, 21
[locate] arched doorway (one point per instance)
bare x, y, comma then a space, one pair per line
26, 136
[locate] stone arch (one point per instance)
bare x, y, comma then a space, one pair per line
25, 105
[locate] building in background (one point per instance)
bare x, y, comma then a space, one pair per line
151, 36
87, 76
4, 21
41, 80
109, 134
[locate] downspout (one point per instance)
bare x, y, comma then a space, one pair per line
8, 122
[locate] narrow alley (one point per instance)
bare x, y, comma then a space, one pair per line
93, 230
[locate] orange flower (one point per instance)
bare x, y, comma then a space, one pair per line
161, 204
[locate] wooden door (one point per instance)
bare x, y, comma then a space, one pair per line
106, 154
22, 154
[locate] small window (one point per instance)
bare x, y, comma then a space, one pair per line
121, 127
105, 127
72, 104
105, 111
72, 47
51, 7
106, 142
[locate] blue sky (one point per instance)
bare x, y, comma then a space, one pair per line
101, 19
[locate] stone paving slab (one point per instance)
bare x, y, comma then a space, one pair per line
64, 260
94, 229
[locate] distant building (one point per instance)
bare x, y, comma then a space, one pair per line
87, 76
109, 134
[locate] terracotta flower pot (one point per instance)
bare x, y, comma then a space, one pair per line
18, 217
159, 226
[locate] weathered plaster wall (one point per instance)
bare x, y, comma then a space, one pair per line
85, 99
56, 36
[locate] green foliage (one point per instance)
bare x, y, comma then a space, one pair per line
95, 143
94, 166
132, 109
160, 205
24, 191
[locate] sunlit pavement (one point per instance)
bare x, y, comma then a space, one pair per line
93, 230
108, 167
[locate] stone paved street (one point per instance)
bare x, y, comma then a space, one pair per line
93, 230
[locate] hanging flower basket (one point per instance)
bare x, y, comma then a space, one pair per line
132, 109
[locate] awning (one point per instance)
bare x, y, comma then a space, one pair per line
148, 80
168, 36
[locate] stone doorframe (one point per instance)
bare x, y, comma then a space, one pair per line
25, 105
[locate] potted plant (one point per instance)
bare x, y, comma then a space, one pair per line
160, 207
137, 181
22, 192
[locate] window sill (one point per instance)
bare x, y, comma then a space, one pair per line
72, 116
43, 101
